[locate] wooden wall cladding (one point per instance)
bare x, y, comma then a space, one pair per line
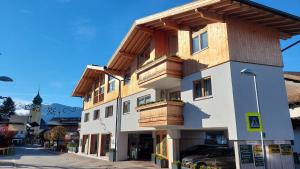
253, 44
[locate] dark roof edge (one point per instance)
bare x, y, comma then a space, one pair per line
272, 10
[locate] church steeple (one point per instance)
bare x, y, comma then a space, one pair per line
37, 100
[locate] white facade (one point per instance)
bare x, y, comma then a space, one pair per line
232, 96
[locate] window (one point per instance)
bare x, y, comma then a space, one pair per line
145, 55
175, 95
111, 84
202, 87
216, 137
88, 97
199, 42
126, 107
126, 79
101, 89
203, 40
96, 114
96, 96
109, 111
86, 117
143, 100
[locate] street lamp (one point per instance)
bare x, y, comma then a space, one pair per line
5, 79
249, 72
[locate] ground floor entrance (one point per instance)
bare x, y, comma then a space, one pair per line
140, 146
105, 144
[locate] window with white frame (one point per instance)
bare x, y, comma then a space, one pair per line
86, 117
126, 107
143, 100
109, 111
111, 84
96, 114
202, 87
199, 41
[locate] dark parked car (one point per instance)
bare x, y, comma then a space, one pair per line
208, 155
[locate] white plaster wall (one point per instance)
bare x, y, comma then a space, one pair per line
273, 101
295, 112
102, 125
216, 111
233, 95
129, 121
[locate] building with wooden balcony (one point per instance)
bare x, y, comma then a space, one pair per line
175, 81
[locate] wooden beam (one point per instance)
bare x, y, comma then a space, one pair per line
145, 29
267, 20
242, 12
220, 5
278, 23
230, 8
287, 26
169, 24
209, 15
128, 55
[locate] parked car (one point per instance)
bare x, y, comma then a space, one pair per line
208, 155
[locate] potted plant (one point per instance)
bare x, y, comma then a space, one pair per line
153, 158
176, 165
162, 162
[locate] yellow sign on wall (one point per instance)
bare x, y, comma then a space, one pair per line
253, 121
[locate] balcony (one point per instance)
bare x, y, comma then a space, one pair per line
158, 114
164, 73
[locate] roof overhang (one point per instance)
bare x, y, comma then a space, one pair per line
196, 14
88, 78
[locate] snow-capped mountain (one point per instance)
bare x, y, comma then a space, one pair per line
49, 111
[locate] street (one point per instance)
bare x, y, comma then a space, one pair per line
33, 157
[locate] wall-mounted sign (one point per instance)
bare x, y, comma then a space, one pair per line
253, 121
258, 156
274, 149
286, 149
246, 154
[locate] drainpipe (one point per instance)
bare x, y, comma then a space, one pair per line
118, 111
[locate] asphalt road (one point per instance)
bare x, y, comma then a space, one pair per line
33, 157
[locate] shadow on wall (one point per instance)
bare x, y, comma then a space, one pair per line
191, 66
193, 116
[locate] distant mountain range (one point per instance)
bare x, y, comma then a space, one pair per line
50, 111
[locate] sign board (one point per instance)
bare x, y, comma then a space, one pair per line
258, 156
274, 149
253, 121
246, 154
286, 149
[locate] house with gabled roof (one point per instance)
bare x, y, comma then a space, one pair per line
175, 81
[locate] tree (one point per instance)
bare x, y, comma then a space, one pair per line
57, 133
7, 108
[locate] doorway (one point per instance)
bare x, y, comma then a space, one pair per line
140, 146
105, 144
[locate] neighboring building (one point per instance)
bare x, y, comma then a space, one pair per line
70, 123
18, 124
292, 82
181, 83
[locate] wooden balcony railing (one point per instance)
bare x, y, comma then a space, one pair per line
164, 113
161, 69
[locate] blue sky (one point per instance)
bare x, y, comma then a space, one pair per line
48, 43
